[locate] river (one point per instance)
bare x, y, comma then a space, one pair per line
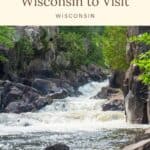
78, 122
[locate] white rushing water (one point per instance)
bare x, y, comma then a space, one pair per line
71, 115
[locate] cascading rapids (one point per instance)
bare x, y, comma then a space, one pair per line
68, 115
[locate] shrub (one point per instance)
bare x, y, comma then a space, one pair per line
24, 53
143, 61
6, 40
24, 46
114, 42
95, 55
143, 38
3, 59
87, 41
6, 36
73, 47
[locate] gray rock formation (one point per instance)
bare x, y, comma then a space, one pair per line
57, 147
135, 92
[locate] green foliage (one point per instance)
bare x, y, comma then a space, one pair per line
44, 38
24, 53
95, 55
143, 38
83, 30
24, 46
72, 44
3, 59
6, 40
114, 42
6, 36
82, 45
143, 61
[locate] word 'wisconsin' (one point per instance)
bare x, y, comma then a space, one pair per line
46, 3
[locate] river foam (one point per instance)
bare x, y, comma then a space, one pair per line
68, 115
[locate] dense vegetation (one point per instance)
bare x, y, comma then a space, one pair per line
114, 47
79, 45
82, 45
103, 46
83, 30
6, 36
6, 39
24, 53
143, 60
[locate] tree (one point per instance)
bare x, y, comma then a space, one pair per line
6, 36
6, 40
73, 47
114, 42
143, 60
82, 44
83, 30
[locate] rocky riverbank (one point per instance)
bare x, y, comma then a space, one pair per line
24, 95
36, 70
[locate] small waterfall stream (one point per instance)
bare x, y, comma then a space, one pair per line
76, 121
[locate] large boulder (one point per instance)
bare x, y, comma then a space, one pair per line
24, 106
95, 73
136, 109
83, 75
136, 95
74, 78
113, 105
114, 96
61, 94
44, 86
54, 87
116, 79
18, 107
106, 92
57, 147
17, 98
141, 142
141, 145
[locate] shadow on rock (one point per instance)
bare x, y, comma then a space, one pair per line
57, 147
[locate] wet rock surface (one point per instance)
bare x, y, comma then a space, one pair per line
115, 99
106, 92
135, 92
141, 142
17, 98
57, 147
113, 105
116, 79
25, 95
34, 82
136, 95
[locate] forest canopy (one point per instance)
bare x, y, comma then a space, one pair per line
82, 45
114, 42
6, 40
